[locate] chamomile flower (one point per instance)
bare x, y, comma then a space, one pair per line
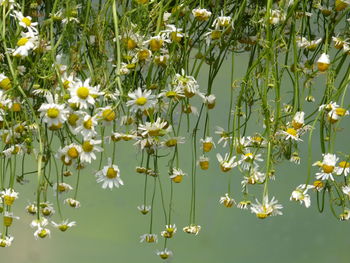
144, 209
323, 62
39, 223
62, 188
266, 208
89, 147
165, 254
83, 94
250, 160
169, 232
227, 201
244, 204
201, 14
52, 112
141, 100
177, 175
192, 229
25, 21
5, 83
27, 42
224, 135
327, 167
64, 225
226, 163
222, 22
186, 83
207, 144
300, 194
69, 153
86, 126
72, 202
9, 196
5, 241
343, 168
42, 233
109, 176
346, 190
149, 238
290, 133
157, 128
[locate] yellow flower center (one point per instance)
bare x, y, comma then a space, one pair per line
66, 84
8, 200
73, 153
22, 41
5, 84
155, 44
171, 94
327, 168
143, 54
63, 228
16, 107
26, 21
43, 233
83, 92
72, 119
108, 115
248, 156
177, 179
215, 34
141, 101
163, 256
87, 146
344, 164
340, 111
171, 142
292, 132
204, 165
261, 215
207, 146
297, 125
111, 173
53, 113
88, 124
61, 188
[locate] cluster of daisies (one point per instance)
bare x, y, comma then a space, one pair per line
69, 114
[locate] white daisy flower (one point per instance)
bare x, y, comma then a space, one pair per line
227, 201
64, 225
72, 202
28, 41
42, 233
86, 126
186, 83
300, 194
52, 112
144, 209
192, 229
157, 128
201, 14
9, 196
343, 168
39, 223
249, 160
83, 94
226, 163
327, 166
69, 153
165, 254
89, 148
266, 208
149, 238
5, 241
177, 175
25, 21
109, 176
61, 188
141, 100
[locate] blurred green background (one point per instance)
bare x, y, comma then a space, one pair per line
109, 224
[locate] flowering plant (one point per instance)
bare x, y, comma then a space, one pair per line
79, 77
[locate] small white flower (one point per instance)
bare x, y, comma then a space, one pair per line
109, 176
83, 94
141, 100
